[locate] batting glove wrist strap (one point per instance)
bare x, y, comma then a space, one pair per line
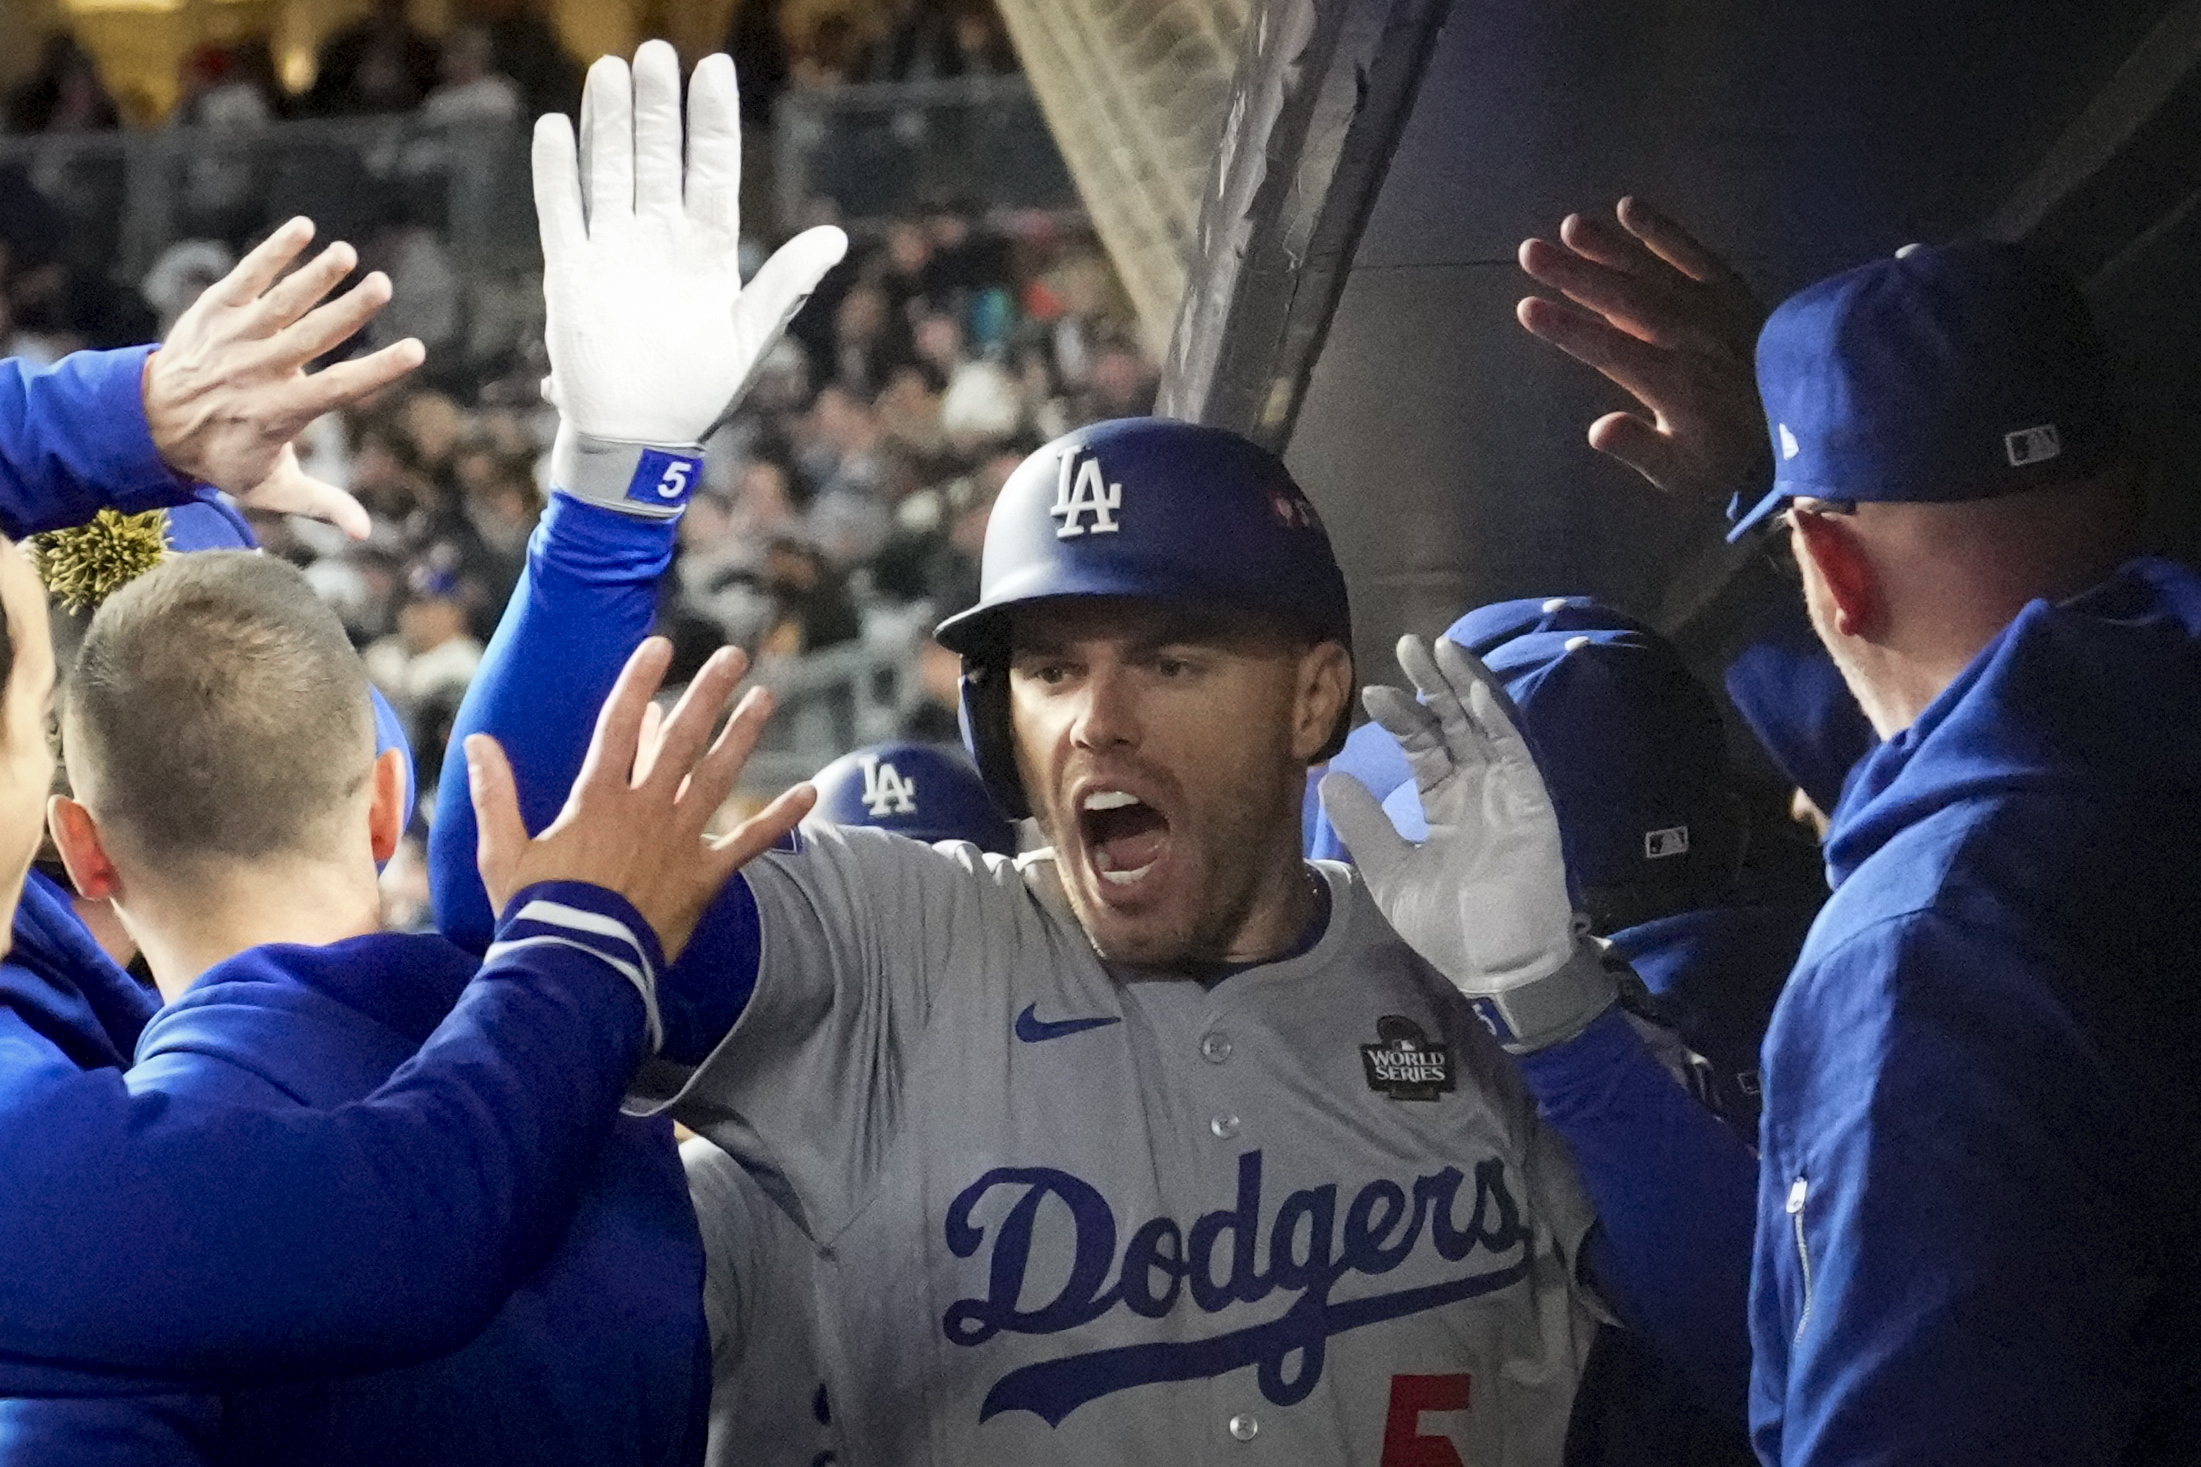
652, 480
1551, 1009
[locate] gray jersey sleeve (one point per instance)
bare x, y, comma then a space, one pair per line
858, 925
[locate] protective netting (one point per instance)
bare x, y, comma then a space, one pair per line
1134, 91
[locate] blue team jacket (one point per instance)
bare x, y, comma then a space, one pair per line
600, 1356
1980, 1185
137, 1239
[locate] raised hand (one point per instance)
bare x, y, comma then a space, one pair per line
1669, 321
652, 336
228, 391
635, 821
1484, 898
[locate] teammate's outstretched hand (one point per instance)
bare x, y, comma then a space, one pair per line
1484, 898
652, 336
634, 823
228, 390
1665, 318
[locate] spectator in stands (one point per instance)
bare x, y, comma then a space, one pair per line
427, 663
870, 338
65, 93
810, 600
848, 518
524, 46
210, 92
497, 513
757, 41
380, 64
472, 90
427, 295
830, 53
934, 40
182, 274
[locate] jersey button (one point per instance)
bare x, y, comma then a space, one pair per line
1244, 1428
1224, 1127
1216, 1047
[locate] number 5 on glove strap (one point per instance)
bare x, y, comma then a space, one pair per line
630, 477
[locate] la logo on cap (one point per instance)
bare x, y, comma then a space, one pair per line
886, 792
1081, 489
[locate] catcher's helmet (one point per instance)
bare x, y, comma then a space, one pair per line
1149, 508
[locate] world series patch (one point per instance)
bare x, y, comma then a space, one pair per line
1404, 1063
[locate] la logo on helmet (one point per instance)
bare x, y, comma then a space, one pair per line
1080, 490
886, 792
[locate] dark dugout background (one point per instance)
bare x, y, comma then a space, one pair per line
1351, 295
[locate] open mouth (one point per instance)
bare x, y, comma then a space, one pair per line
1123, 833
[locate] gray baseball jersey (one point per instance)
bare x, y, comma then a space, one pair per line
1073, 1213
769, 1403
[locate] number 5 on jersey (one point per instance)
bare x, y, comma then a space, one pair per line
1404, 1444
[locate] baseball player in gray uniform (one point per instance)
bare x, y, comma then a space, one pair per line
1158, 1145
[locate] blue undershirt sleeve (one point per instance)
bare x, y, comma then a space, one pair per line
146, 1236
586, 600
73, 441
1676, 1199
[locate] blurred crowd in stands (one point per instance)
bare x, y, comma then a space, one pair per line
846, 502
509, 62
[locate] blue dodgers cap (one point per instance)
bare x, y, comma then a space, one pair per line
1944, 373
1488, 627
923, 791
1629, 743
1787, 688
209, 522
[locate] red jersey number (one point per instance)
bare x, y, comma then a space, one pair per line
1403, 1442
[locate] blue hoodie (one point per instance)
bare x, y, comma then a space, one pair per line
599, 1356
137, 1239
1980, 1187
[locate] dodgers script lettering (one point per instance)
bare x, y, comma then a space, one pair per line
1215, 1265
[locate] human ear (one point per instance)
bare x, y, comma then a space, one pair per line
76, 835
1325, 690
1834, 558
387, 816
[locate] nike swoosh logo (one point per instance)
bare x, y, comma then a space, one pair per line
1032, 1029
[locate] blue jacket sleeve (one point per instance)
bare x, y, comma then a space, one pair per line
152, 1238
1951, 1266
586, 600
73, 441
1675, 1193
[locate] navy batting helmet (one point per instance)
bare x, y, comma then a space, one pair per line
1149, 508
923, 791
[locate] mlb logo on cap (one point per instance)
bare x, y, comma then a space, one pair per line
2033, 445
1947, 373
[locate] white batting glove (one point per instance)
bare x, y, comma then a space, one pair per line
1484, 898
652, 336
